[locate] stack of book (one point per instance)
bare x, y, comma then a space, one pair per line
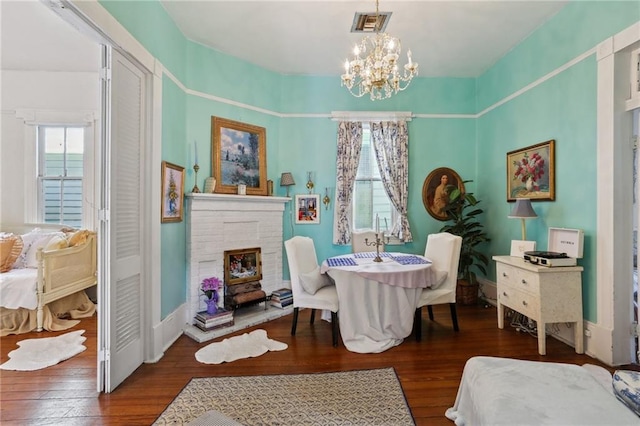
208, 322
282, 298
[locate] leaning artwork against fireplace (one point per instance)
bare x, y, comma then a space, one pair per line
243, 265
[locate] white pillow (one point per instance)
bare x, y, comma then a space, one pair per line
313, 281
31, 261
438, 278
27, 239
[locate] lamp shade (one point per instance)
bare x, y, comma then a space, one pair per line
523, 209
287, 179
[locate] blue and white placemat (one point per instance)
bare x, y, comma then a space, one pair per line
341, 261
369, 254
410, 260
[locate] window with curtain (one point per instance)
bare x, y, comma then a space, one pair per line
369, 196
60, 156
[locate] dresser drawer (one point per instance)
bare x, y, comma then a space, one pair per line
521, 301
518, 279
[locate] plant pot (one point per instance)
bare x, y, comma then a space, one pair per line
466, 293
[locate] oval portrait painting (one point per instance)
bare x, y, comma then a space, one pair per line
435, 191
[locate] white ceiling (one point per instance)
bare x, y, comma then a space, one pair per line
447, 38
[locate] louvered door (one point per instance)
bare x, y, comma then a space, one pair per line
125, 335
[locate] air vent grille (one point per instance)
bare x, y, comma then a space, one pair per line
366, 22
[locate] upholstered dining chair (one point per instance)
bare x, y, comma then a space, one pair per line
310, 288
358, 241
443, 249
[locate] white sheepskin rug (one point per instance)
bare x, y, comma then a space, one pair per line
35, 354
248, 345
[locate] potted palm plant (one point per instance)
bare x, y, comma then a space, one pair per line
462, 213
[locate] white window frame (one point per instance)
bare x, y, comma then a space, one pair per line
394, 212
33, 119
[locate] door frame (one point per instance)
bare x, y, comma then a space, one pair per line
91, 19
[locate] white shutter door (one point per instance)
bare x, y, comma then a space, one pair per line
125, 339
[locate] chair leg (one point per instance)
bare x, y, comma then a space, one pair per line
313, 316
430, 310
295, 321
334, 328
417, 323
454, 316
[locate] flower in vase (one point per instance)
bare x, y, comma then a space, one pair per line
210, 287
529, 168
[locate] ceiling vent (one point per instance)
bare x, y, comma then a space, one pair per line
367, 23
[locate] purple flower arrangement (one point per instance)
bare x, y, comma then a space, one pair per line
210, 287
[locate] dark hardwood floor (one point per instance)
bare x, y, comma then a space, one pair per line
429, 370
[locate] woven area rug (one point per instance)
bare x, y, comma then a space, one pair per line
362, 397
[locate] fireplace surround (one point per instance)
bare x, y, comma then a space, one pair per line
222, 222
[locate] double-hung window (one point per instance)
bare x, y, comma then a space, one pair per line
60, 165
370, 200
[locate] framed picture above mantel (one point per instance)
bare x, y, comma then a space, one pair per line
238, 156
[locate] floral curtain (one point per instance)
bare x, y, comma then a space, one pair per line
391, 144
347, 159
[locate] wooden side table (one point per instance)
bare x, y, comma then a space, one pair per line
544, 294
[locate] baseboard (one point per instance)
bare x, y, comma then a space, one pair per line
167, 332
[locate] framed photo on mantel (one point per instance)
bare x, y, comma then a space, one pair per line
238, 156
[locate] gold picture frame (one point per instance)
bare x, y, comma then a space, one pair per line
171, 209
531, 172
435, 193
243, 265
238, 156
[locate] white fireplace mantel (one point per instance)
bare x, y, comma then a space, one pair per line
220, 222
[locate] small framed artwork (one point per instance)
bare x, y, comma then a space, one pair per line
307, 211
531, 172
172, 192
518, 247
238, 156
241, 266
435, 191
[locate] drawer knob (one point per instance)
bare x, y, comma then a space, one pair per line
524, 302
504, 274
524, 281
504, 293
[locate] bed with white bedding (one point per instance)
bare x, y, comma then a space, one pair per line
47, 282
502, 391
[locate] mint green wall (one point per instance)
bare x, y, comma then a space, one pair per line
172, 235
562, 108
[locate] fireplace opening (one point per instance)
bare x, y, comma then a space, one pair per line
242, 275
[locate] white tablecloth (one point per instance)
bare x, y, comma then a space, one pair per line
377, 301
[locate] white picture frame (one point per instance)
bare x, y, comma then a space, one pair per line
518, 247
308, 209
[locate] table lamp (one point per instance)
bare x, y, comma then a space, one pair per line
286, 180
523, 210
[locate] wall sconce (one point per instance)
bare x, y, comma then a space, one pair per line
326, 200
286, 180
310, 184
523, 210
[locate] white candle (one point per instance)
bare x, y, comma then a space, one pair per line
195, 143
377, 223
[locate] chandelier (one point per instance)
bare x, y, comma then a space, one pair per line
377, 74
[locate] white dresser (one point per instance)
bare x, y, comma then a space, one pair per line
544, 294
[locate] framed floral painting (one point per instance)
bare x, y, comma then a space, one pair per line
172, 192
531, 172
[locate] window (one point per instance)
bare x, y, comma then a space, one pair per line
60, 156
369, 196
